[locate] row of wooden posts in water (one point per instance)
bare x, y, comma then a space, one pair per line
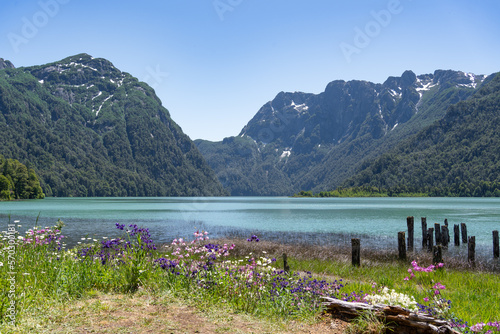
439, 234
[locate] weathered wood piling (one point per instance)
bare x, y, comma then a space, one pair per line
437, 254
356, 252
496, 249
401, 245
463, 227
410, 224
437, 231
430, 240
472, 250
456, 232
445, 236
424, 232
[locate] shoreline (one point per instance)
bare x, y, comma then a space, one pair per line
369, 257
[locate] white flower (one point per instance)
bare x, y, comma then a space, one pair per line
393, 298
1, 264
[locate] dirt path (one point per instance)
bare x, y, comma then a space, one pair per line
111, 313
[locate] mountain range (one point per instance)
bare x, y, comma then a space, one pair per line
302, 141
89, 129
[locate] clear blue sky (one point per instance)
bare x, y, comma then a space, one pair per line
215, 63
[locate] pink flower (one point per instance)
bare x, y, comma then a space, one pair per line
426, 299
410, 271
439, 286
440, 265
406, 278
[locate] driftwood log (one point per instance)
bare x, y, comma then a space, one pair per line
399, 319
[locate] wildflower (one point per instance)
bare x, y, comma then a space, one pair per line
477, 327
439, 286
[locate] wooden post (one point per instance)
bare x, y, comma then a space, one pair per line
410, 223
437, 230
437, 254
456, 230
430, 240
447, 231
356, 252
424, 232
472, 250
286, 267
401, 245
445, 236
464, 232
496, 249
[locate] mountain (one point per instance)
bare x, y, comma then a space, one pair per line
459, 155
89, 129
5, 64
317, 141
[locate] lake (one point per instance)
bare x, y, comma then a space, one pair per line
311, 220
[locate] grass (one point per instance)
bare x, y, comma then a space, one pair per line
47, 285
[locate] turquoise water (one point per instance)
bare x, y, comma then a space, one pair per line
317, 220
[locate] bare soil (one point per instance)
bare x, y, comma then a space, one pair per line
116, 313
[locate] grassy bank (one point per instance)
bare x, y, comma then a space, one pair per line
40, 279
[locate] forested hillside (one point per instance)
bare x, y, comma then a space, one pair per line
458, 155
89, 129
